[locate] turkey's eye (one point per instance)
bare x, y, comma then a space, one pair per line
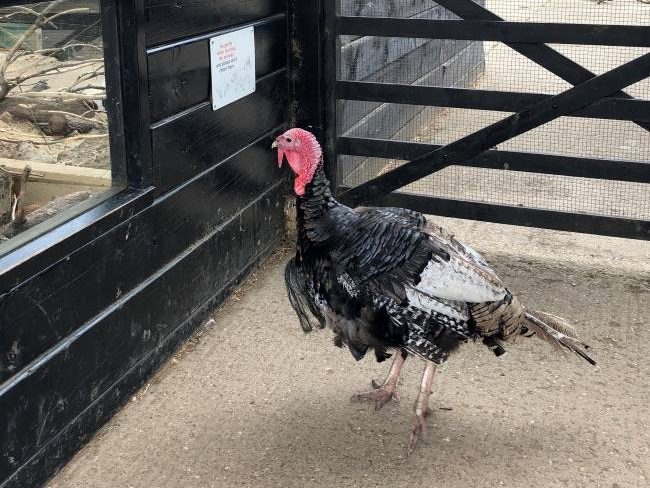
288, 139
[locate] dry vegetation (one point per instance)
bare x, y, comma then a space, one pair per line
51, 111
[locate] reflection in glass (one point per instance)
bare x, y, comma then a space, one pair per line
54, 147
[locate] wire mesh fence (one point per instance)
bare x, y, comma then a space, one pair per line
495, 66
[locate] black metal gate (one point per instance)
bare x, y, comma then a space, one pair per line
585, 165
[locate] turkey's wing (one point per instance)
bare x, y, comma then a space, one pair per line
399, 253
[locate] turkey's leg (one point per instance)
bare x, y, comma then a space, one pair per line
422, 410
381, 394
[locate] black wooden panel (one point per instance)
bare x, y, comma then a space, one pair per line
45, 309
79, 333
121, 346
133, 80
37, 255
179, 77
53, 455
194, 141
169, 20
305, 67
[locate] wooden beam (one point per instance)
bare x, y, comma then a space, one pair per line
521, 216
502, 101
502, 31
59, 173
555, 164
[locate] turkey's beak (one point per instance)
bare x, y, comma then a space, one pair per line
280, 153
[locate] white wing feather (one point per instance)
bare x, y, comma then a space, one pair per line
459, 280
466, 277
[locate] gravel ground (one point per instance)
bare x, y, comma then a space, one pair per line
251, 401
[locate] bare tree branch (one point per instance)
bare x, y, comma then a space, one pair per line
92, 112
25, 10
47, 16
7, 135
62, 95
40, 21
59, 68
80, 117
88, 76
9, 33
86, 87
45, 212
53, 50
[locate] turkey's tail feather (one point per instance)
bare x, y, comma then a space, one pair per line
300, 297
557, 332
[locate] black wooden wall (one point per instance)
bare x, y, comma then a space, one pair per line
82, 327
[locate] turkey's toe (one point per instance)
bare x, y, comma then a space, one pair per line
418, 431
380, 395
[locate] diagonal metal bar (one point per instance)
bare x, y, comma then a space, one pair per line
565, 103
545, 56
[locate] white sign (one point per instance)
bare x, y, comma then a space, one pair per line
232, 63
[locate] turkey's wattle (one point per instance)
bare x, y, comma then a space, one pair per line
387, 280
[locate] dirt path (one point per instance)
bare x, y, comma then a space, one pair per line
253, 402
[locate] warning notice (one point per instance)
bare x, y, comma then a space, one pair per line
232, 62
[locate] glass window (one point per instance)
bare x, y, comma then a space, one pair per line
55, 159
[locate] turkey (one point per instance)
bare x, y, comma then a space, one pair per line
390, 281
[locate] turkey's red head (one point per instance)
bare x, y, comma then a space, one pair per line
303, 153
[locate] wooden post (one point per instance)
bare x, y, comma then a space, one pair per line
313, 65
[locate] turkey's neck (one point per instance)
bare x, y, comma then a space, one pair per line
313, 205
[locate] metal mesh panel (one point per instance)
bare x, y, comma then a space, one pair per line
495, 66
569, 136
562, 193
397, 8
618, 12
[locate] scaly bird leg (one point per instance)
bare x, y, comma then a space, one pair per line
381, 394
422, 410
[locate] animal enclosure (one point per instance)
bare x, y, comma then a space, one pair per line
533, 113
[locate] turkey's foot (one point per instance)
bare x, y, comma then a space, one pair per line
381, 394
422, 410
418, 431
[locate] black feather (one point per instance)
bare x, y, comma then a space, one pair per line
355, 266
302, 300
